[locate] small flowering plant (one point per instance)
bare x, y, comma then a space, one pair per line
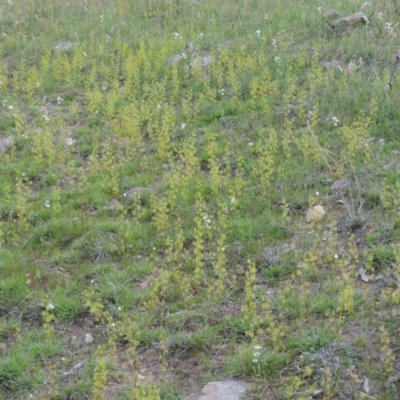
256, 360
256, 354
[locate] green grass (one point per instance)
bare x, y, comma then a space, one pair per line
155, 294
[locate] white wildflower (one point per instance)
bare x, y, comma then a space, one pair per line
335, 120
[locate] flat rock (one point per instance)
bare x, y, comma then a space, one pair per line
64, 46
331, 13
350, 67
315, 213
222, 390
5, 144
130, 194
340, 184
114, 205
203, 61
350, 20
175, 59
331, 64
70, 141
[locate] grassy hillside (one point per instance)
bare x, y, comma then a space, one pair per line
157, 162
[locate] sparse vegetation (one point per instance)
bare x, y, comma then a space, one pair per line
157, 161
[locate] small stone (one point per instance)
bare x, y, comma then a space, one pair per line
351, 67
340, 184
315, 213
69, 141
5, 144
74, 368
88, 338
366, 386
223, 390
64, 46
363, 275
165, 167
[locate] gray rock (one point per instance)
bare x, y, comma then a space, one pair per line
114, 205
5, 144
331, 14
223, 390
350, 20
340, 184
70, 141
64, 46
331, 64
175, 59
201, 61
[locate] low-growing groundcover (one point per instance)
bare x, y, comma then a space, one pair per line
157, 161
